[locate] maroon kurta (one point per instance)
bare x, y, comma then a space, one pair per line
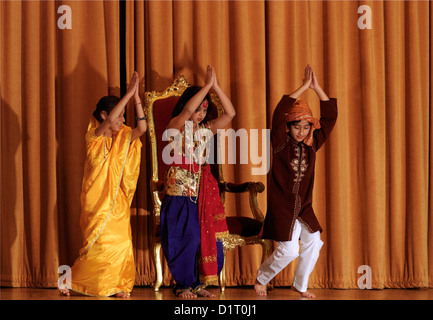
290, 187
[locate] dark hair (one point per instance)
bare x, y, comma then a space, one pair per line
292, 123
106, 104
186, 96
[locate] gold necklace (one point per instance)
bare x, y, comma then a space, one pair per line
191, 169
105, 148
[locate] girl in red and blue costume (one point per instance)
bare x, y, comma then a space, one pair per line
192, 214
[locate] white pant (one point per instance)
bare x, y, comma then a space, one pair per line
287, 251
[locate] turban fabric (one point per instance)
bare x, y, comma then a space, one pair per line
301, 111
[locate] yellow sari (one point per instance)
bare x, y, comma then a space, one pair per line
106, 262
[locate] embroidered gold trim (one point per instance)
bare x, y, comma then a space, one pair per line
208, 259
221, 235
207, 281
219, 216
299, 165
181, 182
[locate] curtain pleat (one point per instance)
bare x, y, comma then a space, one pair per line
51, 80
430, 159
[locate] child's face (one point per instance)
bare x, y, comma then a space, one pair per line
200, 113
300, 130
119, 121
115, 126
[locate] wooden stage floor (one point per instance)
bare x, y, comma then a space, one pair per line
236, 303
231, 293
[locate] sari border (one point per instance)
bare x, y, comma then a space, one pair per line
99, 295
114, 201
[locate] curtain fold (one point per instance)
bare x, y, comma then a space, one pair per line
430, 164
373, 176
51, 80
28, 214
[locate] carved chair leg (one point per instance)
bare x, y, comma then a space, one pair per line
158, 266
222, 275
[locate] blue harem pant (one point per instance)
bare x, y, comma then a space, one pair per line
180, 240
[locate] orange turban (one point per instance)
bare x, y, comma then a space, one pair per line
301, 111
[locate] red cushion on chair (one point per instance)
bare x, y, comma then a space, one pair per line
162, 110
243, 226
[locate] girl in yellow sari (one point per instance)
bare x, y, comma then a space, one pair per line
105, 266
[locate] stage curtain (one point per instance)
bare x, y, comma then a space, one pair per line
430, 165
373, 178
51, 80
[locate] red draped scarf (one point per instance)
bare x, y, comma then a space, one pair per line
212, 223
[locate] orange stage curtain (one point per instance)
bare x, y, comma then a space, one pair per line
51, 80
373, 176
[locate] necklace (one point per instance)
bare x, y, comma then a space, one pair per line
191, 167
105, 148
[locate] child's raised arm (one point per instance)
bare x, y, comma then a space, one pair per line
141, 127
229, 111
310, 82
117, 110
190, 107
306, 83
317, 88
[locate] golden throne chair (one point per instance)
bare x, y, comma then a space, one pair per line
242, 230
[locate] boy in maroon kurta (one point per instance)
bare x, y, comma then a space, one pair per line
296, 136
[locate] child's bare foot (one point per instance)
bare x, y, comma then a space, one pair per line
205, 293
260, 289
64, 291
122, 295
305, 294
185, 293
